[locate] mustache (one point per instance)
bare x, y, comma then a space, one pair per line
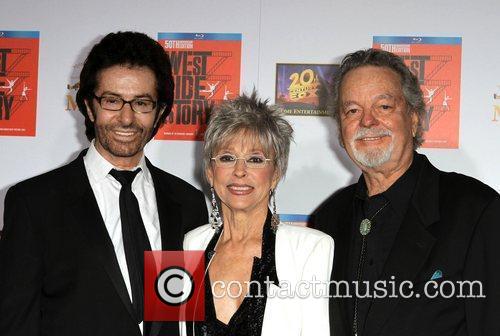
364, 132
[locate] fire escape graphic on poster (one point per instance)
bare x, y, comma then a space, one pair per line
431, 88
218, 81
14, 80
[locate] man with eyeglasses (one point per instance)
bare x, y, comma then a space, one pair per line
71, 256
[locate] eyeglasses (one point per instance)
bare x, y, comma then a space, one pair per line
251, 161
138, 105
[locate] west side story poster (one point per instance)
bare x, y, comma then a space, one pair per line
436, 61
206, 69
18, 82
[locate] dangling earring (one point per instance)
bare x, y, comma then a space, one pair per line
275, 218
215, 218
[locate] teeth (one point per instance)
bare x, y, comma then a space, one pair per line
125, 133
240, 188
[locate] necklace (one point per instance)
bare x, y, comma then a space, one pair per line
364, 228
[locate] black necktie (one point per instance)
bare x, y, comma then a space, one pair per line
135, 239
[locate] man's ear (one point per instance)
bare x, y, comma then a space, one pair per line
338, 124
159, 114
414, 123
90, 112
341, 140
339, 133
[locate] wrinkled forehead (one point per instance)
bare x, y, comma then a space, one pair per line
246, 140
371, 81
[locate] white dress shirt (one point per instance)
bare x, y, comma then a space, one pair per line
107, 190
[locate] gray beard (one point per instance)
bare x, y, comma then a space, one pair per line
373, 158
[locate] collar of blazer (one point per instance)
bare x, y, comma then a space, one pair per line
169, 210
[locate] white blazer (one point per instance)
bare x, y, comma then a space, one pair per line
302, 254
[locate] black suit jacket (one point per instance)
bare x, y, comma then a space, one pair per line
452, 225
58, 270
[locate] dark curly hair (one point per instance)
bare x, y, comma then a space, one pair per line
130, 49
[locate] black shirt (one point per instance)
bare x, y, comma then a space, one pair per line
247, 320
386, 212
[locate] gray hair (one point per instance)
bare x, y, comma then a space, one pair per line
253, 115
409, 84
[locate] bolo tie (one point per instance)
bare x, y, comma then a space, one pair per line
364, 228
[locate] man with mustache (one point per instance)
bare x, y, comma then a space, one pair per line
72, 250
416, 248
